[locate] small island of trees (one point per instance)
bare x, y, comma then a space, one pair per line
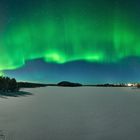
8, 84
138, 85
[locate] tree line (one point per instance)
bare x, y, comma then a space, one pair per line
8, 84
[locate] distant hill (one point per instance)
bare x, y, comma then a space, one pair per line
68, 84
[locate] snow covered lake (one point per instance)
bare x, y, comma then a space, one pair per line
81, 113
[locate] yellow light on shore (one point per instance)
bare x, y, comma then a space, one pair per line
129, 84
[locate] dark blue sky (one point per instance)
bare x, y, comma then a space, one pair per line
126, 70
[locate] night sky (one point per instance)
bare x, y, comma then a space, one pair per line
87, 41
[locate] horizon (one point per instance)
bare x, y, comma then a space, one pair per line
31, 74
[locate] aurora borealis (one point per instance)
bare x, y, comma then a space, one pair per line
61, 32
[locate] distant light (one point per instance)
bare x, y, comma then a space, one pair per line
129, 85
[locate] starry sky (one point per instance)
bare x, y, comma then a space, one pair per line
87, 41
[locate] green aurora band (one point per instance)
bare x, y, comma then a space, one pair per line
69, 34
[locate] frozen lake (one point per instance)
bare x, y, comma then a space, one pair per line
83, 113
